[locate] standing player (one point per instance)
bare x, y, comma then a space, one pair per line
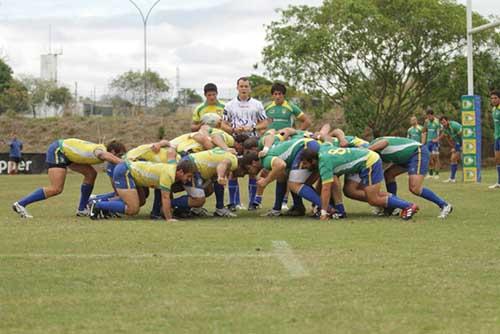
407, 155
204, 112
453, 132
79, 156
495, 102
15, 149
415, 131
243, 115
430, 135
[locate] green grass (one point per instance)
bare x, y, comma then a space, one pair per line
60, 274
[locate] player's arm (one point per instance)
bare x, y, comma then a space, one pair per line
262, 125
203, 140
340, 135
167, 206
424, 135
278, 167
196, 121
379, 145
218, 140
326, 193
223, 170
305, 121
268, 142
155, 147
107, 156
287, 132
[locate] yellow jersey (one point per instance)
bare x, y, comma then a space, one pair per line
228, 139
145, 153
186, 143
80, 151
207, 161
152, 174
205, 108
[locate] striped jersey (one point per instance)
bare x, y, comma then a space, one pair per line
239, 113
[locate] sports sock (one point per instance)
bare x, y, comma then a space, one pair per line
431, 172
105, 197
258, 199
116, 206
85, 190
297, 202
396, 202
454, 168
431, 196
219, 195
340, 208
279, 194
37, 195
181, 202
233, 192
252, 190
156, 210
309, 194
392, 187
285, 200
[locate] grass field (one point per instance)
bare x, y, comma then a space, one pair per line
60, 274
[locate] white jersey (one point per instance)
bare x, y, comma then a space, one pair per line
240, 113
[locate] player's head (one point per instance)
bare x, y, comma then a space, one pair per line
444, 121
117, 148
251, 144
310, 159
495, 98
184, 171
239, 139
278, 91
243, 87
210, 91
249, 163
430, 114
413, 121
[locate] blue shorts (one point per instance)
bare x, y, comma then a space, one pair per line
55, 158
110, 168
458, 147
197, 181
497, 145
419, 162
122, 177
433, 147
373, 174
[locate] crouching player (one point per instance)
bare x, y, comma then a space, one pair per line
407, 155
333, 161
130, 176
79, 156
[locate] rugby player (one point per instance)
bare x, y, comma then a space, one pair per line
452, 130
430, 137
415, 131
495, 113
79, 156
203, 113
408, 156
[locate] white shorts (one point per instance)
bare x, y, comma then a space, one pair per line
299, 175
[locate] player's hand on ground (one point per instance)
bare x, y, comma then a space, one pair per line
172, 220
222, 181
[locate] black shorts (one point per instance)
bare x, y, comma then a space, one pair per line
15, 159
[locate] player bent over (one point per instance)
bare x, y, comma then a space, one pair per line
453, 132
333, 162
79, 156
407, 155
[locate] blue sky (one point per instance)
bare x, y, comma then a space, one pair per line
210, 40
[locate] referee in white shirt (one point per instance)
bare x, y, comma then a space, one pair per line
243, 115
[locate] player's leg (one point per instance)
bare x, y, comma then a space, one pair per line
89, 177
497, 161
390, 175
234, 193
454, 159
156, 209
260, 193
437, 162
432, 162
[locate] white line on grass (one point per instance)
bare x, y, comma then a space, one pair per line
132, 256
284, 253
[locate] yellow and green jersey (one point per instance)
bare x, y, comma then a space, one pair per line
335, 161
432, 127
207, 161
145, 153
282, 115
80, 151
153, 175
454, 131
399, 151
228, 139
286, 151
187, 144
415, 133
496, 121
205, 108
353, 141
277, 139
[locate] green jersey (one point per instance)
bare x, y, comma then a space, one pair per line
496, 121
286, 151
399, 150
340, 161
432, 129
282, 115
454, 130
302, 134
277, 139
415, 133
353, 141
